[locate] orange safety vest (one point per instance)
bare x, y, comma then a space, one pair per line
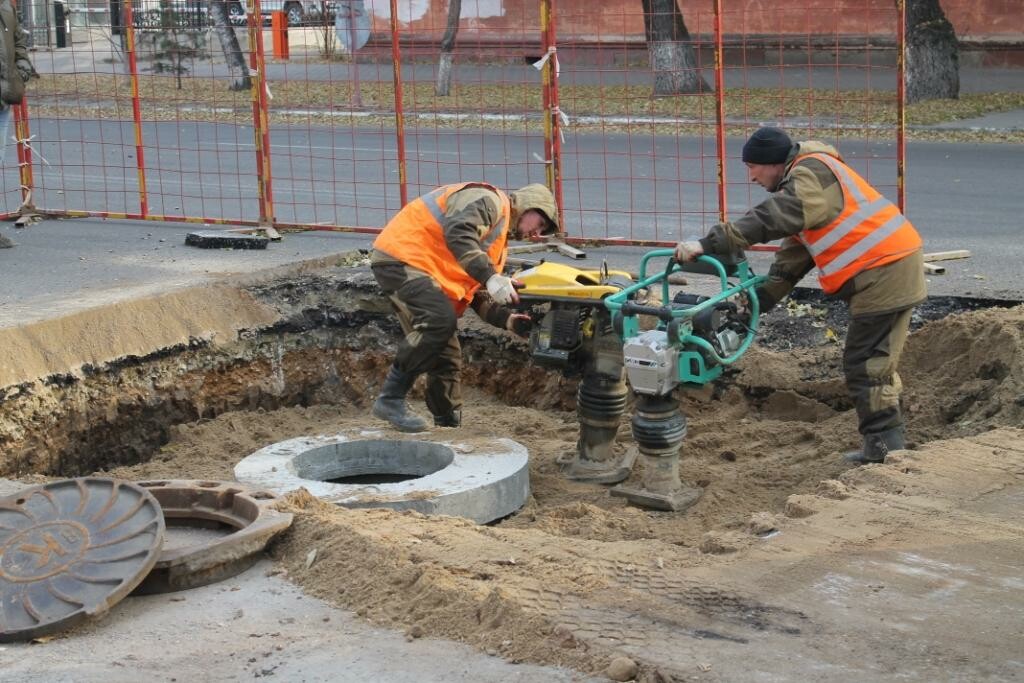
869, 232
415, 237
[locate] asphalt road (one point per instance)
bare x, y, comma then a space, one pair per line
960, 196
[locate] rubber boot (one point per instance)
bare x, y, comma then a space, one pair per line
391, 405
877, 446
452, 419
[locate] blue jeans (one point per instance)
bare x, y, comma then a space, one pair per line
5, 125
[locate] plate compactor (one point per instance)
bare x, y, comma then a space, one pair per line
572, 331
587, 323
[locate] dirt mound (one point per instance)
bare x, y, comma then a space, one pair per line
965, 374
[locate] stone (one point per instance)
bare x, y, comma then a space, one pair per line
622, 669
762, 523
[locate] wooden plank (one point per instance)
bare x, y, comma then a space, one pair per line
932, 269
947, 255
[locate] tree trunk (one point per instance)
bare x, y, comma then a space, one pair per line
673, 60
229, 44
444, 64
932, 54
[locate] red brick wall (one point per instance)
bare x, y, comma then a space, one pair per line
620, 19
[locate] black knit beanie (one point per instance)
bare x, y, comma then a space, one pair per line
767, 146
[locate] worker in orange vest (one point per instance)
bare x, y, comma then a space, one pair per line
866, 253
442, 253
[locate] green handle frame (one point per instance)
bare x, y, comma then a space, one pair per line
630, 324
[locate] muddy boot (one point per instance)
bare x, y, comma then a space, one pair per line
452, 419
391, 405
5, 242
877, 446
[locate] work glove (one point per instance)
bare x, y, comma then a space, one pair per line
26, 69
688, 251
502, 289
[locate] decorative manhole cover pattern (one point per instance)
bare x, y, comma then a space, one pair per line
70, 550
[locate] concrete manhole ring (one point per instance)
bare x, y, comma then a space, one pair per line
484, 481
244, 513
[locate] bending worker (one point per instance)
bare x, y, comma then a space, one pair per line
441, 253
866, 253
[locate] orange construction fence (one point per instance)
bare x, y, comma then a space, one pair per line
171, 114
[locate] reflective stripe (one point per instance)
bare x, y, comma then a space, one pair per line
496, 232
849, 224
430, 201
857, 250
841, 170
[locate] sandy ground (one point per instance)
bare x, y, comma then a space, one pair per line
792, 565
255, 626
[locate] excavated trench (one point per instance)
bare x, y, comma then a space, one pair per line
761, 441
763, 432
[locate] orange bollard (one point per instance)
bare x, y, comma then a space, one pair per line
279, 29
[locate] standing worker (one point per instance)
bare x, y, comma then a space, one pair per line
866, 252
15, 72
431, 260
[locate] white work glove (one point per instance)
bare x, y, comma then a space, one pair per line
688, 251
502, 289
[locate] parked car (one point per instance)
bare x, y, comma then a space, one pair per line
298, 11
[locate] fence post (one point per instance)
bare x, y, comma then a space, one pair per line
552, 112
260, 116
21, 133
720, 112
396, 60
133, 76
901, 103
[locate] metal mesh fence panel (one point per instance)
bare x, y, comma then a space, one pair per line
331, 114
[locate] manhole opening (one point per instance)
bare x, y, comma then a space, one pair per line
185, 532
365, 479
376, 461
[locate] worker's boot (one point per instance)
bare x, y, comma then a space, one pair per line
5, 242
391, 405
452, 419
877, 446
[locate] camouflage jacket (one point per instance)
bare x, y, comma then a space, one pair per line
470, 214
14, 64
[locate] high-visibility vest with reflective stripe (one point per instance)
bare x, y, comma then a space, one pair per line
415, 237
869, 232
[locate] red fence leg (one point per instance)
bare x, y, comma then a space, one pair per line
133, 75
552, 113
396, 60
720, 112
901, 102
260, 115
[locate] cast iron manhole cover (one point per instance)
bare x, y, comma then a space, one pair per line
220, 239
71, 549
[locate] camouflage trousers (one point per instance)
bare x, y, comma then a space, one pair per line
430, 344
874, 344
